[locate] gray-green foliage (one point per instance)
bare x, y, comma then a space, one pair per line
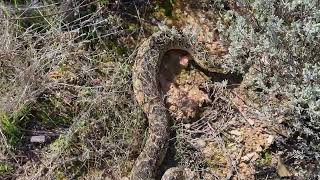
281, 41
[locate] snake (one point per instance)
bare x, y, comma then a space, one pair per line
146, 88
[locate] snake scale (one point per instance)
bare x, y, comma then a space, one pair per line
147, 93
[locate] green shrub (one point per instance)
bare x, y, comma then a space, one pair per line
10, 127
279, 41
5, 168
167, 6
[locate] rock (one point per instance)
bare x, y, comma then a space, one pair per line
250, 121
236, 132
270, 140
259, 148
187, 126
250, 157
38, 139
201, 143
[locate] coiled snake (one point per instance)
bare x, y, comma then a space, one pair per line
147, 93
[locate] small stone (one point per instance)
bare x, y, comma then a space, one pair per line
250, 156
169, 22
236, 132
201, 143
259, 148
38, 139
250, 121
187, 126
270, 140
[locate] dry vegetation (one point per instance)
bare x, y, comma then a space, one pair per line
65, 74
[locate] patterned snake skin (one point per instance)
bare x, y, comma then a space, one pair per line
147, 93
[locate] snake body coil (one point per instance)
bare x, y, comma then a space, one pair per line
147, 93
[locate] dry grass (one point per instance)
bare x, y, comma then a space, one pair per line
72, 86
69, 79
72, 83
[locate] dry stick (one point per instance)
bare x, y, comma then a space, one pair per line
140, 19
67, 24
44, 18
241, 113
230, 173
34, 7
19, 100
53, 14
68, 137
96, 23
7, 146
232, 165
